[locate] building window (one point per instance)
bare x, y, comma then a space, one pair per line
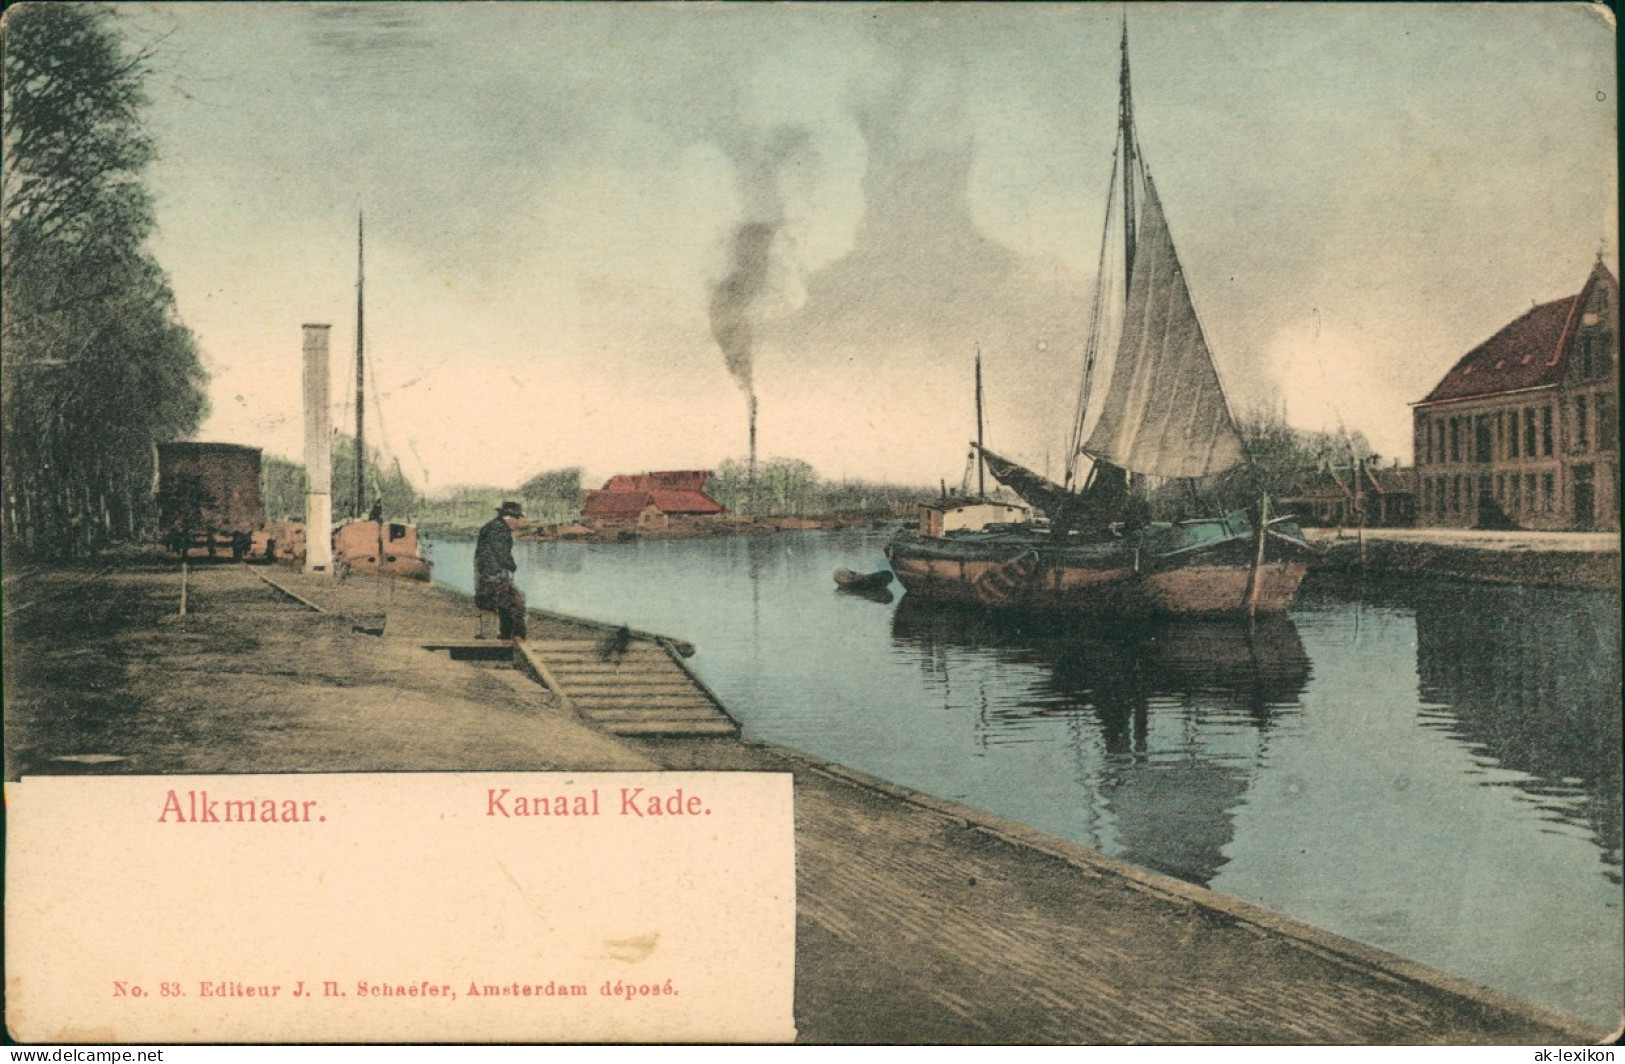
1512, 435
1548, 501
1595, 360
1529, 499
1582, 424
1607, 431
1529, 432
1483, 439
1440, 426
1501, 489
1517, 495
1546, 430
1455, 439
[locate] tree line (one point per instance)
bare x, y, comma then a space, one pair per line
551, 497
1278, 460
791, 487
284, 484
98, 369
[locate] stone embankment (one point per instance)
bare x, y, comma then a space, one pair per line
1539, 559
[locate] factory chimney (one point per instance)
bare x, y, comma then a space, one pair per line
318, 454
750, 477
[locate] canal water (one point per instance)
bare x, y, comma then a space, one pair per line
1432, 768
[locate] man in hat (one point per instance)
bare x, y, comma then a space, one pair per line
494, 567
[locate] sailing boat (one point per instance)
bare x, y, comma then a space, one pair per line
371, 544
1165, 415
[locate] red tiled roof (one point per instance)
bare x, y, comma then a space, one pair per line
610, 503
686, 502
615, 503
671, 480
1526, 354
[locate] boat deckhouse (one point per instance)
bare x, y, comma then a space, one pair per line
1523, 431
970, 514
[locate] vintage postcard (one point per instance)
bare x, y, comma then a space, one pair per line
855, 523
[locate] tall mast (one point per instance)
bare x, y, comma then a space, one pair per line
360, 375
1125, 121
981, 463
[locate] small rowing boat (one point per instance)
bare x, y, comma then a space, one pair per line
852, 581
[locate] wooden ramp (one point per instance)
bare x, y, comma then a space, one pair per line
639, 687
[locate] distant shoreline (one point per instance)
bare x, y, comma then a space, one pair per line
573, 532
1586, 560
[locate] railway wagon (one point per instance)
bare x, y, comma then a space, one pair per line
209, 498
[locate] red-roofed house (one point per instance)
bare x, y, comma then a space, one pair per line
674, 480
651, 498
1524, 429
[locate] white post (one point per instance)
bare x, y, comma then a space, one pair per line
318, 455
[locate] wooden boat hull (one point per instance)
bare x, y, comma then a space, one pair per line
851, 581
1175, 570
387, 549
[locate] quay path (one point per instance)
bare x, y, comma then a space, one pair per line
1587, 560
918, 921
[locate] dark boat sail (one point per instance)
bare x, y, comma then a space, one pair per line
1165, 415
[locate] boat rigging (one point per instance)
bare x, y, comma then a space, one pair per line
1165, 415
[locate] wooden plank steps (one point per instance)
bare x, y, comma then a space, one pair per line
694, 727
473, 649
621, 716
644, 689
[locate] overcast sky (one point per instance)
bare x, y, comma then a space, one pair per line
1359, 194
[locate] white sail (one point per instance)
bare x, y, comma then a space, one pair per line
1165, 414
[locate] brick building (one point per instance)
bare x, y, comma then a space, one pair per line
1524, 430
651, 498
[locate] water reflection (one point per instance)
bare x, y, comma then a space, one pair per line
1169, 720
1442, 782
1529, 679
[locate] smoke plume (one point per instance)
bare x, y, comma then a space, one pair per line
736, 300
733, 298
